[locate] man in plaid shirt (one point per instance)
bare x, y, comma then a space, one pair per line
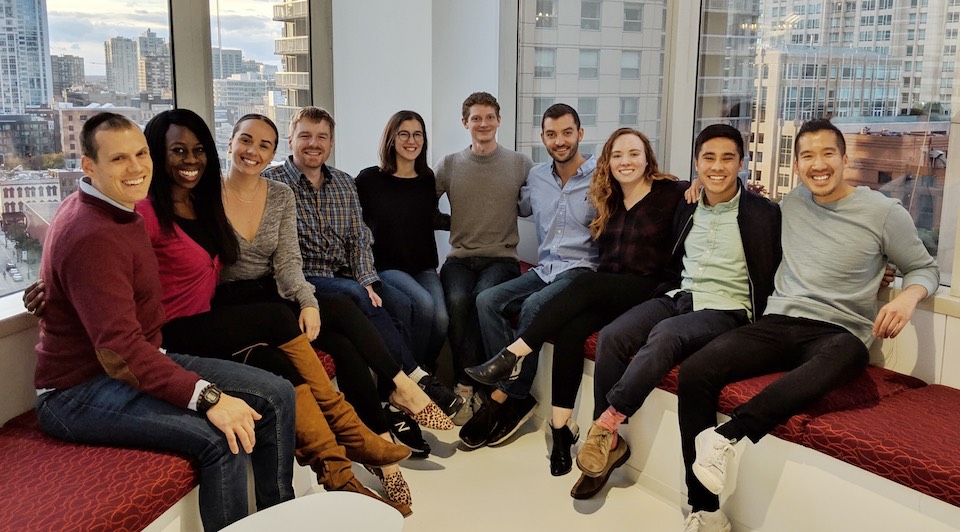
335, 242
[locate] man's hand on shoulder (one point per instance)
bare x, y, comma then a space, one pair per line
692, 194
235, 418
895, 315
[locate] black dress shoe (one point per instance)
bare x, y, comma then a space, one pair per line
560, 461
504, 366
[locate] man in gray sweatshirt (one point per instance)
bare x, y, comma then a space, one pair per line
818, 323
482, 183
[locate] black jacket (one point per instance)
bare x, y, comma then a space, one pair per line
759, 221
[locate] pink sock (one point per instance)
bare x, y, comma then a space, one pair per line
610, 419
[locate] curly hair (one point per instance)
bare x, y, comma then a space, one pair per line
605, 192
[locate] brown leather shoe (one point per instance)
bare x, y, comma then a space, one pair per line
355, 486
595, 453
588, 486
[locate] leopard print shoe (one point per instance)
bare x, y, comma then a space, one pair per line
394, 486
431, 417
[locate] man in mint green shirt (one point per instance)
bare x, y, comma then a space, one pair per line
727, 250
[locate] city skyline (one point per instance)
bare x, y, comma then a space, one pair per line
244, 24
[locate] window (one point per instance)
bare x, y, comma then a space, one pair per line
869, 71
587, 109
632, 16
42, 54
559, 66
244, 81
546, 14
630, 64
629, 111
589, 64
545, 62
540, 105
590, 14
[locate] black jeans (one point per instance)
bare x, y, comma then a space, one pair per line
818, 357
637, 350
462, 280
345, 333
591, 301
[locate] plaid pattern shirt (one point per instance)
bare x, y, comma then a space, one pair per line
637, 242
334, 241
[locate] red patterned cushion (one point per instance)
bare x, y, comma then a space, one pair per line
863, 391
327, 361
47, 484
912, 438
669, 383
590, 346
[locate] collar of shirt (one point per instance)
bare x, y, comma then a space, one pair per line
86, 185
720, 208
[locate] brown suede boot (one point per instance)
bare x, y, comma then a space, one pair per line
362, 444
316, 445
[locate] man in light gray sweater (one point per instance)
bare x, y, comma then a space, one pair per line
819, 322
482, 184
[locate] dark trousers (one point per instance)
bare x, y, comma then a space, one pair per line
463, 279
345, 333
637, 350
817, 356
590, 301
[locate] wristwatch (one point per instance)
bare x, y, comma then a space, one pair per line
209, 396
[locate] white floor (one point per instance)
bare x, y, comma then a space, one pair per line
509, 487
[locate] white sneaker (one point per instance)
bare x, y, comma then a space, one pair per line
704, 521
713, 452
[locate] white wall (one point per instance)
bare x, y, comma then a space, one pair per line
381, 64
412, 55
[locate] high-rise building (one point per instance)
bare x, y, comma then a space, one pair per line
227, 62
293, 47
25, 78
605, 59
67, 72
153, 64
867, 64
121, 64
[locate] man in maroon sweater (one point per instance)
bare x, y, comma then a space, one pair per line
101, 376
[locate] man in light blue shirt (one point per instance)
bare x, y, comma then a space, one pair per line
555, 194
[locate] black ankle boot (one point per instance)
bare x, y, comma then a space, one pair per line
504, 366
560, 460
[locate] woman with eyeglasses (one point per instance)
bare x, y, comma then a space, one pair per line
399, 204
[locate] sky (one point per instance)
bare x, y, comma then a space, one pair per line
80, 28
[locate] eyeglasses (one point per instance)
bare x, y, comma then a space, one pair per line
404, 136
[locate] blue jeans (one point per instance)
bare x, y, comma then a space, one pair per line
394, 333
105, 411
524, 296
417, 299
463, 279
638, 349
